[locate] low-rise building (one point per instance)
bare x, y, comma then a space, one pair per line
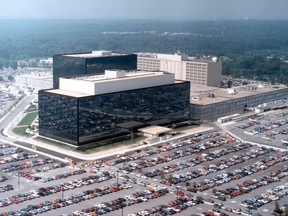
210, 103
41, 80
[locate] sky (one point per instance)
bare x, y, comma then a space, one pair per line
145, 9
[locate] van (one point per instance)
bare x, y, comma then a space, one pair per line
246, 213
222, 198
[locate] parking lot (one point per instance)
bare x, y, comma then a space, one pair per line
6, 100
203, 174
269, 128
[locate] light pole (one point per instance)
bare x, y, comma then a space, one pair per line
249, 210
62, 192
177, 189
18, 180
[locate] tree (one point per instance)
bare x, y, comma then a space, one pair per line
286, 211
5, 63
13, 64
173, 125
11, 78
229, 84
214, 191
125, 166
170, 178
199, 199
277, 208
194, 184
140, 170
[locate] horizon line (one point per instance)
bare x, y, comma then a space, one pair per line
136, 19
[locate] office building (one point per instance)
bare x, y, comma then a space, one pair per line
35, 80
198, 72
95, 62
89, 108
210, 103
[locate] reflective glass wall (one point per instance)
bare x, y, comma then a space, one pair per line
58, 117
100, 64
100, 117
65, 66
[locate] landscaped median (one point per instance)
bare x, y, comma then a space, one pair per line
25, 123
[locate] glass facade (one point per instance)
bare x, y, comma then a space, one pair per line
58, 117
100, 64
99, 117
66, 66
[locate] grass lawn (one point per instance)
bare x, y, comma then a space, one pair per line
21, 131
24, 124
28, 119
31, 108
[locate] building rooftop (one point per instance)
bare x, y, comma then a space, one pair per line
93, 54
155, 130
113, 75
66, 93
175, 57
34, 75
204, 95
113, 81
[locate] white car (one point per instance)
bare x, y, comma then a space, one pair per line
236, 211
244, 204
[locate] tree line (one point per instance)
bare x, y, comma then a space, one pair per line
245, 44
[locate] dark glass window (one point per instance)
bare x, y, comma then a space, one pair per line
99, 117
58, 117
66, 66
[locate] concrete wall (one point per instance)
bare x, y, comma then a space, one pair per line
115, 85
176, 67
214, 74
77, 85
198, 72
125, 84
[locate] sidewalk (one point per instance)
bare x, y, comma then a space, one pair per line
93, 156
122, 150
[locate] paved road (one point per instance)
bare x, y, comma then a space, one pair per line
14, 114
4, 122
48, 151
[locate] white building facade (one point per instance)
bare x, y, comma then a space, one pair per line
198, 72
115, 81
41, 80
